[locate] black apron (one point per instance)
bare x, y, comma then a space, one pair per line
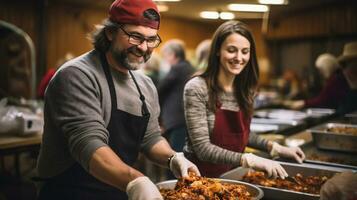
126, 132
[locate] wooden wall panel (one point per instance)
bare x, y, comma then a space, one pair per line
332, 20
190, 31
68, 28
22, 14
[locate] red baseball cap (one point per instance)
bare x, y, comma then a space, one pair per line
133, 12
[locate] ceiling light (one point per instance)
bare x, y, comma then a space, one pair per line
248, 7
226, 15
167, 0
275, 2
162, 7
217, 15
209, 14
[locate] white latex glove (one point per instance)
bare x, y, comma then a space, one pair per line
341, 186
287, 152
273, 168
180, 166
142, 188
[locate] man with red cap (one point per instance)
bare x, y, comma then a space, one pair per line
100, 113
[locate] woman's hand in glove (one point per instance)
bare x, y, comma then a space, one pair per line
180, 166
287, 152
142, 188
273, 168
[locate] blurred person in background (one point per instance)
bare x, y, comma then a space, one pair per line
100, 113
49, 74
15, 65
152, 68
202, 52
291, 84
334, 90
170, 91
219, 106
348, 61
327, 64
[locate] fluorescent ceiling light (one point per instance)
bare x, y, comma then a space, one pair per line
167, 0
216, 15
275, 2
162, 7
248, 7
209, 14
226, 15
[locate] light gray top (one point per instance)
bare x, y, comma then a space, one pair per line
200, 122
78, 108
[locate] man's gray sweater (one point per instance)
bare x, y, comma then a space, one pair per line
78, 108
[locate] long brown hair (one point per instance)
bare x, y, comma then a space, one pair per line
245, 84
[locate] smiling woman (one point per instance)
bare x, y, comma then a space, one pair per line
218, 108
234, 56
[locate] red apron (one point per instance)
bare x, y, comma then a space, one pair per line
231, 132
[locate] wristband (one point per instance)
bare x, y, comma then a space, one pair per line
273, 152
169, 160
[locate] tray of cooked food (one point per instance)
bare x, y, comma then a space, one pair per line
335, 136
304, 183
346, 119
338, 159
196, 187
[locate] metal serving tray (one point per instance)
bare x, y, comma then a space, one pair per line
317, 162
346, 119
256, 192
319, 112
276, 121
334, 141
291, 168
315, 155
283, 114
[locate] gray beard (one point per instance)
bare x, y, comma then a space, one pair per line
121, 57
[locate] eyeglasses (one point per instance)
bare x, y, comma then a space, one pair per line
136, 39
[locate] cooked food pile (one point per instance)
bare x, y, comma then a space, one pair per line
323, 158
201, 188
343, 130
310, 184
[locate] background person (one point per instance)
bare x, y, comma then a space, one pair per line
334, 90
49, 74
348, 61
291, 84
219, 107
100, 113
152, 68
327, 64
170, 92
202, 52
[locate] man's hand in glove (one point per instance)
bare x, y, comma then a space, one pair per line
142, 188
287, 152
273, 168
180, 166
341, 186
